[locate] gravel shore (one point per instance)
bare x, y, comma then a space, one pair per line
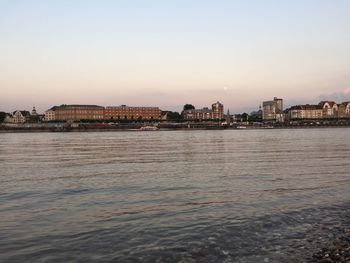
337, 252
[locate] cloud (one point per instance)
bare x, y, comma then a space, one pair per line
346, 90
338, 97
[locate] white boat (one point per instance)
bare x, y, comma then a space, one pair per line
149, 128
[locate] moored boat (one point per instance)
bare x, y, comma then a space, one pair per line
149, 128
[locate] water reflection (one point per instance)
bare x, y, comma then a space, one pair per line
210, 196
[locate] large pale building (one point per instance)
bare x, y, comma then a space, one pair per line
124, 112
323, 110
50, 114
273, 110
78, 112
305, 112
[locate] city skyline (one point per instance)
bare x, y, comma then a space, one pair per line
168, 54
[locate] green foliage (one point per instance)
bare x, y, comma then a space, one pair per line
255, 118
2, 116
174, 116
245, 116
188, 107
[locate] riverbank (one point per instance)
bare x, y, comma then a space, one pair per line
337, 252
93, 127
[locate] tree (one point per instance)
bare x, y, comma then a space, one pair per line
188, 107
245, 116
174, 116
255, 118
2, 116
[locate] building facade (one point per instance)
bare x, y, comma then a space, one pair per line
216, 112
273, 110
198, 114
344, 110
21, 116
329, 108
305, 112
50, 114
124, 112
78, 112
323, 110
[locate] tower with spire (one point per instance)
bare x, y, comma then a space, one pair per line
228, 117
34, 113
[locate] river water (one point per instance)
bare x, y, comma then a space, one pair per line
173, 196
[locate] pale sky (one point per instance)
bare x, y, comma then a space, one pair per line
168, 53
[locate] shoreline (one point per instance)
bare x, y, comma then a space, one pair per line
119, 129
337, 251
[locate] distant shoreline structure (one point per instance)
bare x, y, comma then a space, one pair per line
271, 113
97, 127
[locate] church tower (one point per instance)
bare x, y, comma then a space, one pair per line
34, 113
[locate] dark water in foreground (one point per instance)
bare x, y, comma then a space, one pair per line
188, 196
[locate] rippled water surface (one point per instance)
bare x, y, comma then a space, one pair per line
170, 196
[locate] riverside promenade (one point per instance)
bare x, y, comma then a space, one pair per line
89, 127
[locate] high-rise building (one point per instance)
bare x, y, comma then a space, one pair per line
218, 110
273, 110
279, 104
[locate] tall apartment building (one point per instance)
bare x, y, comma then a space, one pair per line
78, 112
273, 110
216, 112
124, 112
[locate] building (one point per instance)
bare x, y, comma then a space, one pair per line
21, 116
50, 114
329, 108
323, 110
35, 117
124, 112
78, 112
216, 112
34, 113
279, 104
344, 110
307, 111
198, 114
273, 110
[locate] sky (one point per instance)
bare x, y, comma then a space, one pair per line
169, 53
